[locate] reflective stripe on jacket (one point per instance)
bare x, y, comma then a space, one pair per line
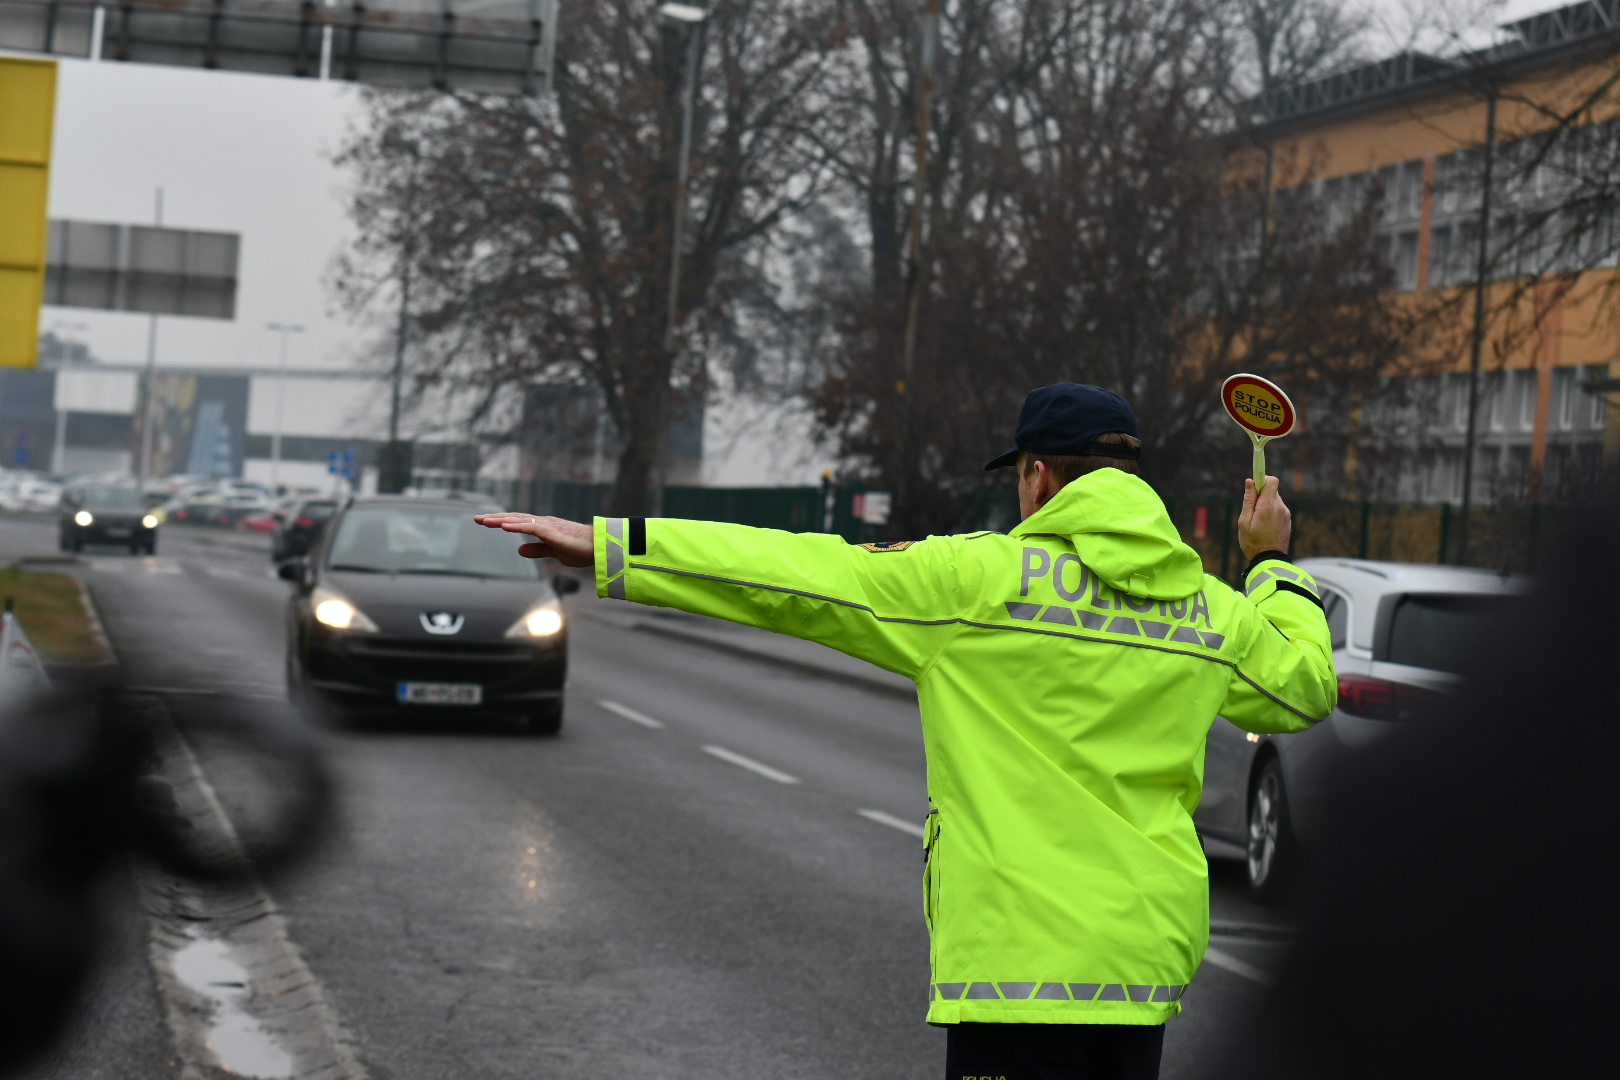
1067, 674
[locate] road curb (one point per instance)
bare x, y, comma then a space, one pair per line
276, 1015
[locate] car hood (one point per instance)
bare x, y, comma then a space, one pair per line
396, 602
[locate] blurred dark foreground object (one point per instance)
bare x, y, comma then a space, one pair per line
82, 786
1465, 922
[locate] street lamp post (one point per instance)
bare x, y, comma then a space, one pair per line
59, 449
150, 415
694, 19
281, 396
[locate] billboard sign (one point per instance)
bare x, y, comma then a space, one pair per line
142, 268
497, 46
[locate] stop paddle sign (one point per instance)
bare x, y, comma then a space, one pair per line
1261, 408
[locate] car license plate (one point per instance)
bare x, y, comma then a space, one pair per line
441, 693
117, 532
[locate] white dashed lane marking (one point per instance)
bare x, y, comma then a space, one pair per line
891, 821
750, 764
1226, 961
631, 715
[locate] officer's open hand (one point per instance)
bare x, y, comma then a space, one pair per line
1267, 526
569, 542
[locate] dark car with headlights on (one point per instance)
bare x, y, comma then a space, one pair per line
407, 604
106, 514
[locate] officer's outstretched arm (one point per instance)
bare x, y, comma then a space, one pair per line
1284, 678
893, 605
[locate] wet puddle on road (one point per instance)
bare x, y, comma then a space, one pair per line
242, 1044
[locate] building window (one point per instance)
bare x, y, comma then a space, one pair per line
1439, 256
1561, 408
1406, 249
1527, 399
1492, 403
1596, 405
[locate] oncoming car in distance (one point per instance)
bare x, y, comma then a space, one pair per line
1402, 634
106, 514
408, 604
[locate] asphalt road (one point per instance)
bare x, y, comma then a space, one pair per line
623, 900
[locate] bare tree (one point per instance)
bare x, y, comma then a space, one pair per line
1286, 41
1087, 221
538, 233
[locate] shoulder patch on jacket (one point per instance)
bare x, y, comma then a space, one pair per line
897, 545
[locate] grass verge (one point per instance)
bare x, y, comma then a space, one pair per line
51, 609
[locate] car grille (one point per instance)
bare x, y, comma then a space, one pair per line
424, 661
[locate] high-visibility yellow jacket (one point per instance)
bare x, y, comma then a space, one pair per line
1068, 674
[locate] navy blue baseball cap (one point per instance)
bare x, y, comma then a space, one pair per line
1068, 418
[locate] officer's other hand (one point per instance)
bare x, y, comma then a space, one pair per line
1267, 526
569, 542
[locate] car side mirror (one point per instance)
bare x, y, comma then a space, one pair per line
565, 584
292, 570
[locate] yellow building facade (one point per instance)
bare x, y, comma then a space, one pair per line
1544, 108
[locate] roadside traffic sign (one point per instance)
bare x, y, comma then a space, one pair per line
1260, 408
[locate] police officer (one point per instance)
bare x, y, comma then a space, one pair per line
1067, 673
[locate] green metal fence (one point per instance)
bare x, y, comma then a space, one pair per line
1500, 537
795, 509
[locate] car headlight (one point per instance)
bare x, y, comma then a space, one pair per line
541, 622
149, 522
334, 611
84, 517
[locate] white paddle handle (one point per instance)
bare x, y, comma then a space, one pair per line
1259, 464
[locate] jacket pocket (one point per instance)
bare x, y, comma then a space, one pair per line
931, 874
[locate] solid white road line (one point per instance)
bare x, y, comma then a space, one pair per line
630, 714
1237, 967
891, 821
751, 765
107, 565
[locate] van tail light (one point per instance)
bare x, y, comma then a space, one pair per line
1380, 699
304, 523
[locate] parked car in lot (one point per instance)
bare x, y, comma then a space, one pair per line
195, 506
300, 526
106, 514
1401, 634
407, 604
25, 492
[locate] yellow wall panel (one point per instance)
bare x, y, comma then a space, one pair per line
27, 111
22, 191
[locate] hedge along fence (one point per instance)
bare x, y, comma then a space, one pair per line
1502, 537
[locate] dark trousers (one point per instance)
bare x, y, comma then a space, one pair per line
1053, 1052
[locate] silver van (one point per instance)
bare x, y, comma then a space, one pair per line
1402, 633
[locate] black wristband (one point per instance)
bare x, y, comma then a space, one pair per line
1262, 557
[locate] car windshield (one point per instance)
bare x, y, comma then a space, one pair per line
113, 498
1442, 633
319, 511
424, 540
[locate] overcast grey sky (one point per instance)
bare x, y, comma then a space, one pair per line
250, 154
237, 153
